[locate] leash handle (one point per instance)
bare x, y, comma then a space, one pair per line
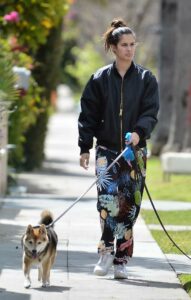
83, 194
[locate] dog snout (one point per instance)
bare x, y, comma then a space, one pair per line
34, 253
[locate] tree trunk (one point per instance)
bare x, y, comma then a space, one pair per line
167, 62
180, 127
47, 75
187, 137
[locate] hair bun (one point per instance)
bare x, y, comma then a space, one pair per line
118, 23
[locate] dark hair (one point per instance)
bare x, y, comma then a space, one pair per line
115, 31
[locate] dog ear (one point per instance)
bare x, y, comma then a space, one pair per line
42, 229
29, 229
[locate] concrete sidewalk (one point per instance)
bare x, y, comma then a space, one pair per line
55, 187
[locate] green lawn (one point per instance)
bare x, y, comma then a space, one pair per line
177, 189
182, 238
168, 217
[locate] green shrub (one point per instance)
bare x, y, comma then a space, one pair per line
36, 19
29, 42
87, 61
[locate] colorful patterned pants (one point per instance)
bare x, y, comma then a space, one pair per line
119, 199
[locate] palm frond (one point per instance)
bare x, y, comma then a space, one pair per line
7, 81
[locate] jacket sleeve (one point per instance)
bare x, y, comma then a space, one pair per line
149, 109
89, 116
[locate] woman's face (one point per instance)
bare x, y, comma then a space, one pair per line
125, 49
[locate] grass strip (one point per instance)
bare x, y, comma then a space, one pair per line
182, 238
177, 189
168, 217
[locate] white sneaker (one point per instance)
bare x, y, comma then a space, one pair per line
104, 264
120, 271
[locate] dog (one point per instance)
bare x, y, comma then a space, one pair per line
39, 247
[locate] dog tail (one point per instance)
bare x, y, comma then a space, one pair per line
46, 217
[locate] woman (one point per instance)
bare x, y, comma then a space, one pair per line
119, 98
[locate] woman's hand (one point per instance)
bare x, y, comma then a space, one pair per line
135, 138
84, 160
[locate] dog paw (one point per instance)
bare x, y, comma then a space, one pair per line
27, 284
46, 284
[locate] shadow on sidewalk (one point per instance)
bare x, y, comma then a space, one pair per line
154, 284
13, 296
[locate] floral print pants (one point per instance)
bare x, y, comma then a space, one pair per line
119, 199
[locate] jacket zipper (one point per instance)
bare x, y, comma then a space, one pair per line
121, 116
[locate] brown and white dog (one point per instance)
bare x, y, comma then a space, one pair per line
39, 247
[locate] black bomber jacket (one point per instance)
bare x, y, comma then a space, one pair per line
111, 106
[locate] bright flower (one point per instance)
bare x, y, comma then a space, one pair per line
13, 17
7, 18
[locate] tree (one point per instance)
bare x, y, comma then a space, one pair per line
174, 128
180, 127
47, 75
167, 69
